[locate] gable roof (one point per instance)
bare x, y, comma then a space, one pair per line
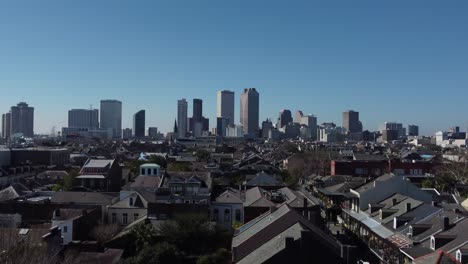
263, 179
251, 236
438, 257
229, 197
143, 181
84, 197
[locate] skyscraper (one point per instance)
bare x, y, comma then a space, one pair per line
249, 110
311, 122
284, 118
6, 128
22, 120
85, 118
139, 124
298, 116
351, 122
182, 107
111, 116
401, 131
413, 130
197, 110
225, 106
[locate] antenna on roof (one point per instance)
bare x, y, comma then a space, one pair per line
90, 107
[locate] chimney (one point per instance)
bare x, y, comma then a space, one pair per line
289, 242
446, 223
56, 213
408, 207
394, 201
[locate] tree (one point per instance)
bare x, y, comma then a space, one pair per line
70, 180
179, 167
219, 257
193, 234
143, 235
105, 232
451, 173
203, 155
160, 253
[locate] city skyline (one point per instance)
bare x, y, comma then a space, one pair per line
323, 60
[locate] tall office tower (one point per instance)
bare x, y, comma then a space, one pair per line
267, 125
226, 105
152, 132
351, 122
139, 124
249, 110
311, 122
22, 120
197, 110
395, 126
413, 130
298, 116
182, 107
221, 125
284, 118
111, 117
6, 125
86, 118
127, 133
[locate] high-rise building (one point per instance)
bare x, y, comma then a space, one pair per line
221, 124
225, 106
22, 120
401, 131
284, 118
139, 124
298, 116
267, 125
111, 116
85, 118
127, 133
6, 125
413, 130
152, 132
197, 110
249, 110
182, 107
351, 122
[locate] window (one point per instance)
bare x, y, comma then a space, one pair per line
238, 215
149, 171
433, 243
143, 171
227, 215
65, 229
135, 217
155, 171
125, 219
459, 256
131, 201
215, 215
114, 218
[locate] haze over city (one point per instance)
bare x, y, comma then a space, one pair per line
391, 61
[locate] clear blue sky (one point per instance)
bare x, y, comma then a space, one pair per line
403, 61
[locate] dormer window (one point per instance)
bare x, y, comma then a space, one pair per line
410, 232
131, 201
433, 243
459, 256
